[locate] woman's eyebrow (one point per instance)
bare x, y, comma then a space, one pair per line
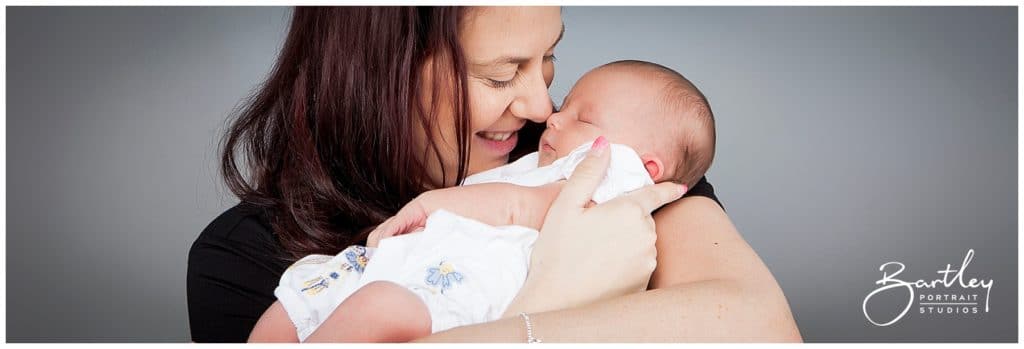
519, 59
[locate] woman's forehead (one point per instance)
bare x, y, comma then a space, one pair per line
509, 35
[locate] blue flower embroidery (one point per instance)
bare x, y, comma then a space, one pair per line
442, 275
357, 258
315, 286
334, 275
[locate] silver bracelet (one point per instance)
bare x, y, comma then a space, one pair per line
529, 329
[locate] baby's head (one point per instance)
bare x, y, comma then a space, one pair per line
651, 108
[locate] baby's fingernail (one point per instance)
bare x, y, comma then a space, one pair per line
600, 144
683, 189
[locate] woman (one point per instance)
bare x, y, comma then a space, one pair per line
369, 107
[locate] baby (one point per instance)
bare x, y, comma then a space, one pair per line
465, 267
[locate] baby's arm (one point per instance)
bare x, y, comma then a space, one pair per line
379, 312
274, 326
490, 203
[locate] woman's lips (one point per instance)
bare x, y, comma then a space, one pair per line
499, 143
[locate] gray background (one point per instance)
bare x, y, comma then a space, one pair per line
848, 137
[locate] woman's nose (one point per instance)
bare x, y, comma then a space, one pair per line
533, 102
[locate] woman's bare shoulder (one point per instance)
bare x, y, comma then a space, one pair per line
697, 241
698, 245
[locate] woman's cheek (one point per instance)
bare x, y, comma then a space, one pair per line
478, 102
488, 106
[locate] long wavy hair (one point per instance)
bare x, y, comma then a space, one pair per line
324, 146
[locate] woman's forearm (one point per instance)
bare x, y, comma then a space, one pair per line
705, 311
710, 287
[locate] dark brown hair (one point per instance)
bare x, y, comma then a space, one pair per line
327, 139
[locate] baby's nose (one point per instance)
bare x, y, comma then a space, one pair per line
554, 121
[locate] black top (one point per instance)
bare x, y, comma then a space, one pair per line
235, 264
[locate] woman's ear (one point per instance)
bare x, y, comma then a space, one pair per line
655, 168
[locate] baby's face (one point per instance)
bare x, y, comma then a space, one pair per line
614, 103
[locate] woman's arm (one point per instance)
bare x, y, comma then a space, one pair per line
710, 287
698, 245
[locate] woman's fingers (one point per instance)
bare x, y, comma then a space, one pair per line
585, 178
652, 197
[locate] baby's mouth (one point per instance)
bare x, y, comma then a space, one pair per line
546, 147
545, 144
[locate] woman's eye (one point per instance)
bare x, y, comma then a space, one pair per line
500, 84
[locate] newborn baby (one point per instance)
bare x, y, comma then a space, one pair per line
465, 268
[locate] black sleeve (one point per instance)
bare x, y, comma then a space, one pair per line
704, 188
233, 268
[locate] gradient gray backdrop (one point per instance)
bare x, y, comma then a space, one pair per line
848, 137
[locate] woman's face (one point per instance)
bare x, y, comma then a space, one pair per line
509, 55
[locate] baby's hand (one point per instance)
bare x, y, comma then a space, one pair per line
490, 203
409, 219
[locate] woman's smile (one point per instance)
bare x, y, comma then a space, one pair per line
499, 143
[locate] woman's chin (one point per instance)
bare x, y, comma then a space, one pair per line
484, 165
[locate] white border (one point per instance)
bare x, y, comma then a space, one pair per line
3, 115
891, 3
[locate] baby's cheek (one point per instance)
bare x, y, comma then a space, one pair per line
571, 142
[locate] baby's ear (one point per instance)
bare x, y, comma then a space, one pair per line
655, 168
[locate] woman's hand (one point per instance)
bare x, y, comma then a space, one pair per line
585, 254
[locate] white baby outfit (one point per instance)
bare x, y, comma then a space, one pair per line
465, 271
